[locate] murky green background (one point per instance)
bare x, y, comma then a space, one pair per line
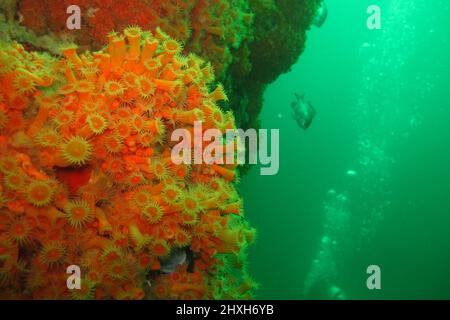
383, 102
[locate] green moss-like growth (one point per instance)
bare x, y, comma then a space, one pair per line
280, 35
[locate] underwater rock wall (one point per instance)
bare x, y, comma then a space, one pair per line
249, 43
213, 29
87, 177
85, 169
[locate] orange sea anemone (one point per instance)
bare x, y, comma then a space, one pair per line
87, 177
76, 151
40, 193
78, 213
53, 254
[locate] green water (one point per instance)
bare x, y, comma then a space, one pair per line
383, 111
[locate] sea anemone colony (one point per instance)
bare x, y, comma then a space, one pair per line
214, 29
86, 176
248, 42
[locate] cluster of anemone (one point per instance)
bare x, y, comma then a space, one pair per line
86, 176
279, 38
210, 28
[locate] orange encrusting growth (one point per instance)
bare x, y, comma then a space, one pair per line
86, 176
213, 28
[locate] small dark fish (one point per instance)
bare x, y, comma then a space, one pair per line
176, 258
303, 111
321, 15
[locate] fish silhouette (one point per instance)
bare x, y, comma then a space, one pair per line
303, 111
321, 15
